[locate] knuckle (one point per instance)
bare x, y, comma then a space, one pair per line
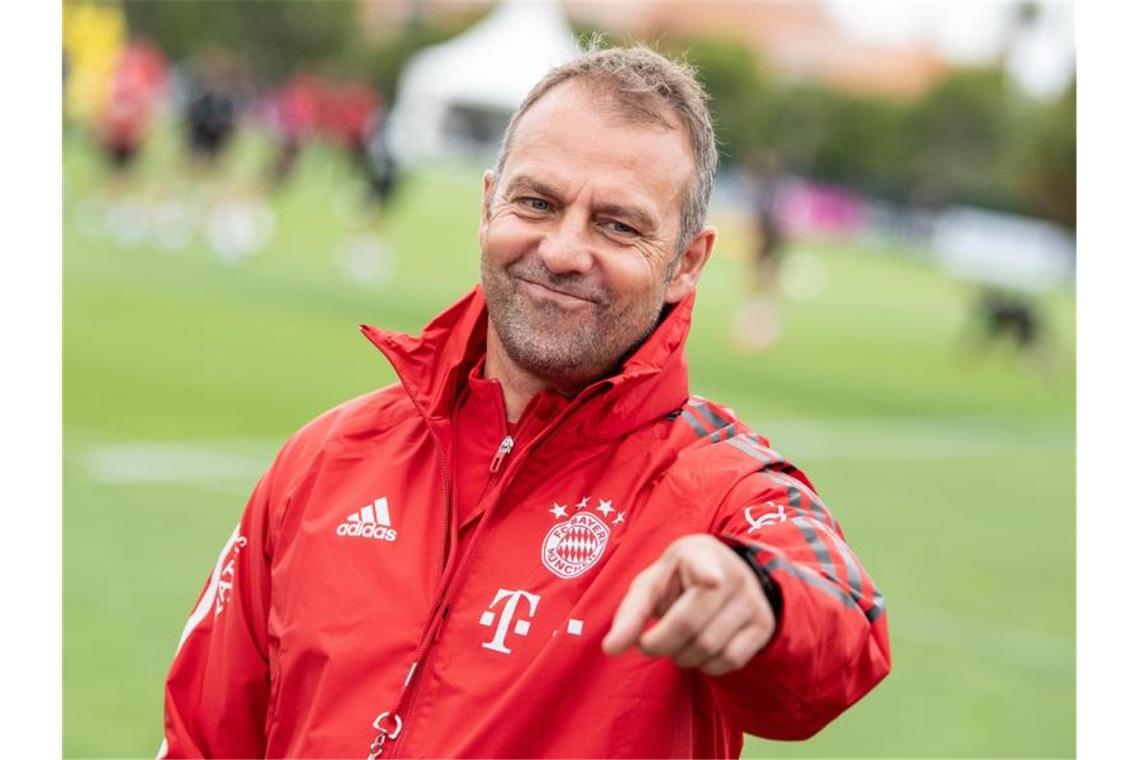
687, 659
681, 544
714, 668
674, 549
643, 581
645, 574
686, 626
706, 644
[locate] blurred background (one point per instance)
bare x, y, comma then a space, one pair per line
891, 301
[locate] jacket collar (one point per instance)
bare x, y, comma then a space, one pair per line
433, 367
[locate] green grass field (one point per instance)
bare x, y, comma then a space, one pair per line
953, 477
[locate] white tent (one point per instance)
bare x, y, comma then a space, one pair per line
456, 97
1003, 250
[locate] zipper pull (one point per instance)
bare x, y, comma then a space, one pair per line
387, 734
504, 449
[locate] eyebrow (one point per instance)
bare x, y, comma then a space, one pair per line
638, 216
523, 182
641, 219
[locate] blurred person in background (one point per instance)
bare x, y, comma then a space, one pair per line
293, 114
759, 322
136, 88
356, 120
122, 108
1003, 317
236, 221
349, 116
360, 129
447, 565
116, 89
380, 167
216, 91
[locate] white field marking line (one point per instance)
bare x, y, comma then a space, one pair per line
226, 462
1021, 647
234, 460
804, 439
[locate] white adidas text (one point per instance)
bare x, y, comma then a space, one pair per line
366, 531
373, 521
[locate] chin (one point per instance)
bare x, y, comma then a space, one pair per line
547, 355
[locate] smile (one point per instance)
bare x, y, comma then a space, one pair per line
543, 293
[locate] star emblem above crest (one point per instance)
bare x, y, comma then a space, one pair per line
604, 511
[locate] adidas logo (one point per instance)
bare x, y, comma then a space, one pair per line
372, 521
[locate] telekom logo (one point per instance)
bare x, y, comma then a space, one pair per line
506, 616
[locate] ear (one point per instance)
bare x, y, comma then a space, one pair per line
488, 196
488, 191
690, 264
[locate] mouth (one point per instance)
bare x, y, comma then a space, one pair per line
541, 292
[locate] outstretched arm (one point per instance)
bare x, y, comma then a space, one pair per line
772, 606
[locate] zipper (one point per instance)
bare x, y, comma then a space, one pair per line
389, 728
505, 449
407, 698
388, 724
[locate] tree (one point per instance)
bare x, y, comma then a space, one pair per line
862, 146
273, 38
1049, 179
962, 139
741, 99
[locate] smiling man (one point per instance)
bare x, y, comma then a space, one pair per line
538, 543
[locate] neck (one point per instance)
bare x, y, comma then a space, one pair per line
519, 385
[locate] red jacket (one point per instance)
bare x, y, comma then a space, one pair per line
346, 598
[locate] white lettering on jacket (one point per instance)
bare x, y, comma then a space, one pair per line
506, 616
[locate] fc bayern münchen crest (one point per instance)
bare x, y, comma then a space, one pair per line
573, 547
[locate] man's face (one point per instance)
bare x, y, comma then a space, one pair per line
579, 236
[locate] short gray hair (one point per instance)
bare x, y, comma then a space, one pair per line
642, 84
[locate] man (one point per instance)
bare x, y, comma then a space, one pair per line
136, 87
470, 562
215, 95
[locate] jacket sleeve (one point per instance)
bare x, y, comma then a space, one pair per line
831, 645
217, 690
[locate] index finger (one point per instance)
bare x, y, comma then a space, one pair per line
636, 608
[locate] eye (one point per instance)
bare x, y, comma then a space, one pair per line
535, 204
621, 228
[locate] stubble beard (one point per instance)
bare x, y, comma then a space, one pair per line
567, 348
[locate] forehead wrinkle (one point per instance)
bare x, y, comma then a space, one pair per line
601, 104
542, 147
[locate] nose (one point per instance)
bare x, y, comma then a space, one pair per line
566, 248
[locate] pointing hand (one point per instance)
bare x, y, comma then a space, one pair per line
711, 612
